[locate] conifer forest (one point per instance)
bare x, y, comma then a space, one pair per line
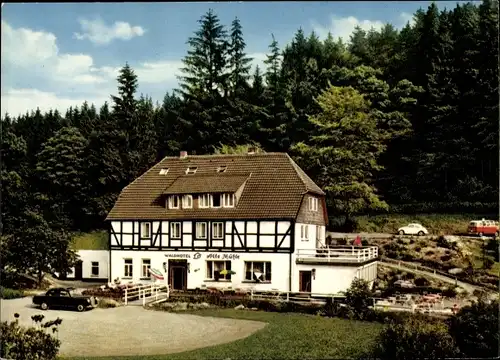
395, 120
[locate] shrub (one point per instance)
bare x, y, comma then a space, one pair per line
421, 281
415, 338
6, 293
429, 253
418, 248
488, 263
342, 241
400, 241
29, 343
445, 258
475, 330
412, 241
450, 292
358, 298
107, 303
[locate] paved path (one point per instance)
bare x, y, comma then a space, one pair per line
470, 288
131, 330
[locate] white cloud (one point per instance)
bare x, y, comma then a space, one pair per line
258, 59
404, 18
18, 101
35, 73
97, 32
343, 27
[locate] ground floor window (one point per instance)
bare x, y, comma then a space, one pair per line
214, 269
128, 268
95, 268
258, 271
146, 265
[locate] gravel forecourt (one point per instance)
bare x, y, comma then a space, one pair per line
131, 330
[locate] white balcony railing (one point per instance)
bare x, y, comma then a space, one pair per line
341, 254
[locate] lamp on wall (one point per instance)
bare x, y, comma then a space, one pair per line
313, 273
189, 267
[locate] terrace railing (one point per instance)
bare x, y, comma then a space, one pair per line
338, 254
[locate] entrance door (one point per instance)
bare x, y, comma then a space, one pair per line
177, 274
305, 281
78, 270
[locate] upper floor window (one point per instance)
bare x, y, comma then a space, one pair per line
201, 230
216, 200
217, 230
313, 204
304, 232
203, 201
173, 202
145, 230
175, 230
191, 170
187, 201
228, 200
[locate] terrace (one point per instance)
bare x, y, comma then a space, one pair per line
337, 254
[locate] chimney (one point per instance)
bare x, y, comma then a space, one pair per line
251, 150
183, 155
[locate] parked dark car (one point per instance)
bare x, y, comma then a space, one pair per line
64, 298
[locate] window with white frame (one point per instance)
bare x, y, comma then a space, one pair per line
216, 200
318, 233
313, 204
146, 265
187, 201
214, 269
258, 271
201, 230
175, 230
222, 168
173, 202
127, 268
217, 230
228, 200
164, 171
95, 268
203, 201
146, 230
304, 232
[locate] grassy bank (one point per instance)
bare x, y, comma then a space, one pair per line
95, 240
287, 336
439, 224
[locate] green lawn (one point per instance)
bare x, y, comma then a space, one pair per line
95, 240
287, 336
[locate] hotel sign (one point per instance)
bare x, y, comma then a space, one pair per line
223, 256
197, 255
178, 256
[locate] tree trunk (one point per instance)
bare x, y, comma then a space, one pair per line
40, 277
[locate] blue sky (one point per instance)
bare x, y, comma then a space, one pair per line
60, 54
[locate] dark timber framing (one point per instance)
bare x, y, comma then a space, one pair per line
208, 244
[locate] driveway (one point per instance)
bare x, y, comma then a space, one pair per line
131, 330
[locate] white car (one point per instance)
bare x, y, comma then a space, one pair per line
413, 229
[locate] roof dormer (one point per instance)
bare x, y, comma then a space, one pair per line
191, 170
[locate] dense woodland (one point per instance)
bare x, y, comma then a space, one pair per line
391, 121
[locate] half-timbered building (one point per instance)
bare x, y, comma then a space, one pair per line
251, 220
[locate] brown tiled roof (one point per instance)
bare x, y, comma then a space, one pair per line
274, 188
198, 184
